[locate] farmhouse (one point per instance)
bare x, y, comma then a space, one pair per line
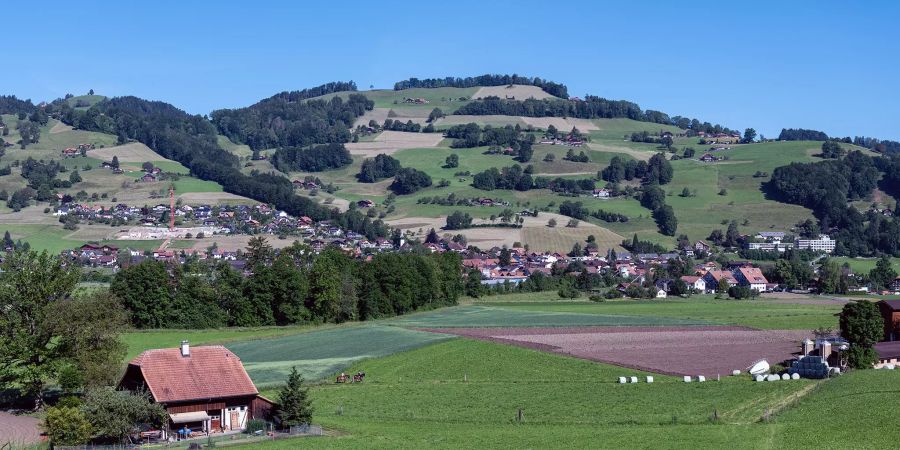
888, 353
204, 389
601, 193
890, 311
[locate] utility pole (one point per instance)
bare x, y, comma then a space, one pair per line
171, 207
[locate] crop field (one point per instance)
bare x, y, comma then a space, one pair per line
320, 353
692, 351
388, 142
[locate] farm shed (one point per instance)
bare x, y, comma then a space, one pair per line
205, 388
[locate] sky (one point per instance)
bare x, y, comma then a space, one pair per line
827, 65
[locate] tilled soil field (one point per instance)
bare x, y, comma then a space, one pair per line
695, 350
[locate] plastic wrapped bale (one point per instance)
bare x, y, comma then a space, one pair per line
785, 376
622, 380
735, 372
795, 376
890, 366
687, 379
649, 379
701, 379
773, 377
760, 378
634, 379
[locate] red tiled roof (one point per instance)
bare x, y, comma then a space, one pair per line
209, 372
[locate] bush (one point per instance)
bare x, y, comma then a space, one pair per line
254, 425
568, 292
860, 357
612, 293
596, 298
67, 426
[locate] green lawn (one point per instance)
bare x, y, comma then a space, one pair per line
139, 340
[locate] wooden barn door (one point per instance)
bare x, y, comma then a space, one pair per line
235, 420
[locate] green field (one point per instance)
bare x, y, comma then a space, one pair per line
320, 353
758, 313
425, 390
537, 316
864, 265
464, 393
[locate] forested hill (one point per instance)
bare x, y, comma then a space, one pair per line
191, 140
284, 121
555, 89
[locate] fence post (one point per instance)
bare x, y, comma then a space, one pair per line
519, 415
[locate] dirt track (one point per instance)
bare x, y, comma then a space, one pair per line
19, 430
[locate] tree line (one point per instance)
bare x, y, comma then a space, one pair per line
315, 158
550, 87
378, 168
657, 170
515, 178
290, 287
592, 107
801, 134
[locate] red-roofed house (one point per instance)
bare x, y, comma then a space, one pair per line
751, 277
205, 389
694, 282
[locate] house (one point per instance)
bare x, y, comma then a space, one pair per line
601, 193
701, 246
751, 277
888, 353
708, 158
205, 388
694, 283
890, 311
366, 203
148, 178
713, 278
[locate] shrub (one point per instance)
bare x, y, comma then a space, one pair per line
254, 425
67, 426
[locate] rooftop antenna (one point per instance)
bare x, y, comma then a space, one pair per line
171, 207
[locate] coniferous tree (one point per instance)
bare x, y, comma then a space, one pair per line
294, 405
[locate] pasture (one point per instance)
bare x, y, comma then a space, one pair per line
512, 91
463, 393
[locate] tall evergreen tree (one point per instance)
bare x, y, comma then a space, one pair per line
294, 406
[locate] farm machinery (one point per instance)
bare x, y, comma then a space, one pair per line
356, 378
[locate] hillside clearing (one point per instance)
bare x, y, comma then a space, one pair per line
389, 142
534, 232
515, 91
132, 152
563, 124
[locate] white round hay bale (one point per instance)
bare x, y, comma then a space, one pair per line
649, 379
785, 376
634, 379
622, 380
735, 372
795, 376
701, 378
760, 378
687, 379
773, 378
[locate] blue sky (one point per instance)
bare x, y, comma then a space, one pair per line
824, 65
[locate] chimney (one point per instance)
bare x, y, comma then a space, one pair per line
185, 349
